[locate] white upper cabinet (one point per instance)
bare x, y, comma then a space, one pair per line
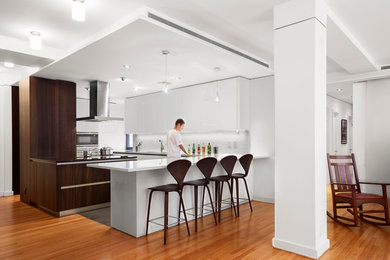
157, 112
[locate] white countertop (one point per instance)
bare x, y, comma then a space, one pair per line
153, 164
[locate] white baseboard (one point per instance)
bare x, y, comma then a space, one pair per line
6, 193
301, 249
262, 199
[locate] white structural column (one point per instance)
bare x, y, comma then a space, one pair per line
5, 141
300, 127
359, 127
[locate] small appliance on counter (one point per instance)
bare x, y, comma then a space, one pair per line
106, 151
87, 154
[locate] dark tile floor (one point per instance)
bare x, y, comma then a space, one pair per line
99, 215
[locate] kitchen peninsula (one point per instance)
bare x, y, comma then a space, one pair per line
130, 181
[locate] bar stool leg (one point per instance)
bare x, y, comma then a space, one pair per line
178, 217
237, 198
231, 184
247, 193
165, 217
231, 198
212, 206
220, 201
184, 211
216, 195
147, 219
204, 190
196, 207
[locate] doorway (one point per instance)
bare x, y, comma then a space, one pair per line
15, 141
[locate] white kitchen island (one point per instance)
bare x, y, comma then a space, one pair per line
130, 181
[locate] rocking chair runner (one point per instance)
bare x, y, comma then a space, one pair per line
346, 191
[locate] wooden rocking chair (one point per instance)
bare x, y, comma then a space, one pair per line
346, 193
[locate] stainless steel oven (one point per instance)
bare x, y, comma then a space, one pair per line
87, 141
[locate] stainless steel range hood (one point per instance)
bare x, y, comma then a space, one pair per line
99, 103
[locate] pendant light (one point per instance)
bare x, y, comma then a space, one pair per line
35, 40
166, 83
78, 10
217, 69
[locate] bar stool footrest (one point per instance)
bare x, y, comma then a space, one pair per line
169, 217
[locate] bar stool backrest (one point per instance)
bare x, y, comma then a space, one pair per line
228, 164
245, 162
178, 169
206, 166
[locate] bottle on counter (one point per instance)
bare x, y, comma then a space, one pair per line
189, 149
198, 149
209, 149
203, 149
193, 148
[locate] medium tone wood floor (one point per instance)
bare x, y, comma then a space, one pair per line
29, 233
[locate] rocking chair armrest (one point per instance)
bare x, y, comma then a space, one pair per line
343, 184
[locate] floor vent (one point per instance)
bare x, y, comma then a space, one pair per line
197, 35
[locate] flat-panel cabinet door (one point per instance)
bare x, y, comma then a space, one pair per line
133, 118
227, 110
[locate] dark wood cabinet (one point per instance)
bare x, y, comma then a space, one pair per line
47, 128
60, 188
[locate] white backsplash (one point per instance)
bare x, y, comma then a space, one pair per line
227, 141
111, 133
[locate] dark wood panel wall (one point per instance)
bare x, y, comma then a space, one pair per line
47, 126
24, 131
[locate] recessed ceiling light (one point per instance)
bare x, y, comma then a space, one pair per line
166, 90
176, 78
35, 40
9, 64
126, 66
135, 88
78, 10
339, 89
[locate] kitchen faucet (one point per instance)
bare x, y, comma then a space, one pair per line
161, 146
138, 146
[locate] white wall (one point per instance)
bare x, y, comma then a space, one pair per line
5, 141
337, 110
111, 133
377, 130
262, 143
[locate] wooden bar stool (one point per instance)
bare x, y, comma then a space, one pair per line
206, 166
178, 169
245, 162
228, 164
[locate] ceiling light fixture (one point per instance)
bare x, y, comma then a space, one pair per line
339, 89
9, 64
35, 40
135, 88
78, 10
166, 82
126, 66
217, 69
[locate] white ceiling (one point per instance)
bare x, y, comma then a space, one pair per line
139, 45
345, 94
368, 21
246, 24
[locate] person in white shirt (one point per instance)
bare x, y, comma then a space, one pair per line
174, 142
